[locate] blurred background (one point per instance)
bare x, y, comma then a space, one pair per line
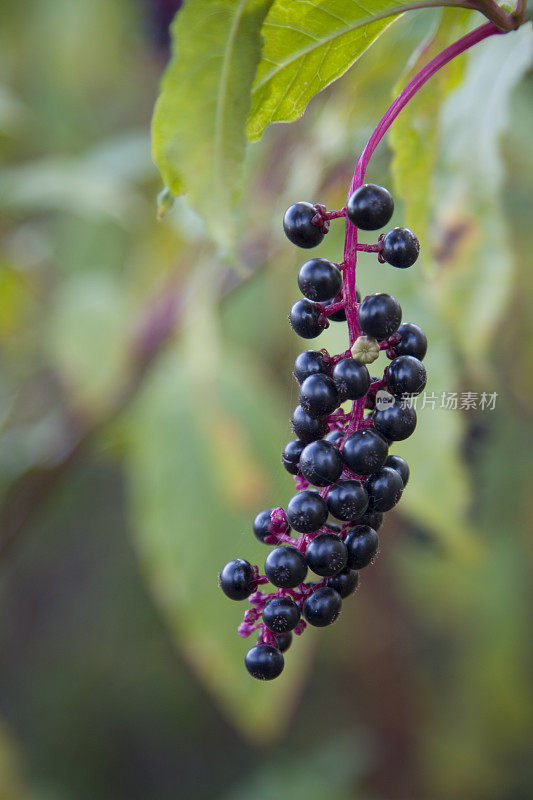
145, 395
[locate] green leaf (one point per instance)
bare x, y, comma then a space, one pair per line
307, 46
199, 119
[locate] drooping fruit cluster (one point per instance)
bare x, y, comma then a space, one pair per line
345, 477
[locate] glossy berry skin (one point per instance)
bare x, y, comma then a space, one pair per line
319, 396
261, 523
400, 248
283, 641
334, 437
285, 567
396, 422
281, 615
305, 319
406, 375
306, 511
326, 554
309, 363
370, 207
400, 465
319, 279
298, 226
365, 451
379, 315
362, 545
337, 316
305, 427
347, 500
322, 607
321, 463
413, 342
237, 580
290, 458
351, 378
264, 662
345, 582
384, 489
374, 519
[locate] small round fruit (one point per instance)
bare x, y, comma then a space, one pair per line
283, 641
237, 580
379, 315
326, 554
290, 458
321, 463
362, 545
319, 396
319, 279
365, 451
261, 523
406, 375
285, 567
384, 489
305, 319
298, 225
334, 437
281, 615
370, 207
413, 342
400, 248
306, 511
264, 662
347, 500
322, 607
372, 518
351, 378
345, 582
309, 363
396, 422
337, 316
400, 465
305, 427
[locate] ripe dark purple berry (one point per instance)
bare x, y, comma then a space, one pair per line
261, 523
372, 518
237, 579
283, 641
406, 375
264, 662
318, 395
326, 554
344, 582
309, 363
400, 465
384, 489
351, 378
379, 315
413, 342
347, 500
281, 615
285, 567
321, 463
290, 458
370, 207
334, 437
396, 422
307, 428
362, 544
400, 248
298, 225
306, 511
319, 279
365, 451
305, 318
337, 316
322, 607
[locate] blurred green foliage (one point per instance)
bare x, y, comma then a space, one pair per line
153, 379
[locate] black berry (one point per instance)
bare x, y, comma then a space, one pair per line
400, 247
365, 451
283, 641
362, 545
379, 315
384, 489
334, 437
321, 463
326, 554
319, 279
306, 511
305, 427
264, 662
290, 458
309, 363
285, 567
370, 207
413, 342
322, 607
406, 375
337, 316
345, 582
400, 465
351, 378
305, 319
318, 395
396, 422
281, 615
237, 580
261, 523
347, 500
298, 225
372, 518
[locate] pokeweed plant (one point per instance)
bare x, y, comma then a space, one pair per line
345, 477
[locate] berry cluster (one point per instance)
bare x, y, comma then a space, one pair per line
345, 477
